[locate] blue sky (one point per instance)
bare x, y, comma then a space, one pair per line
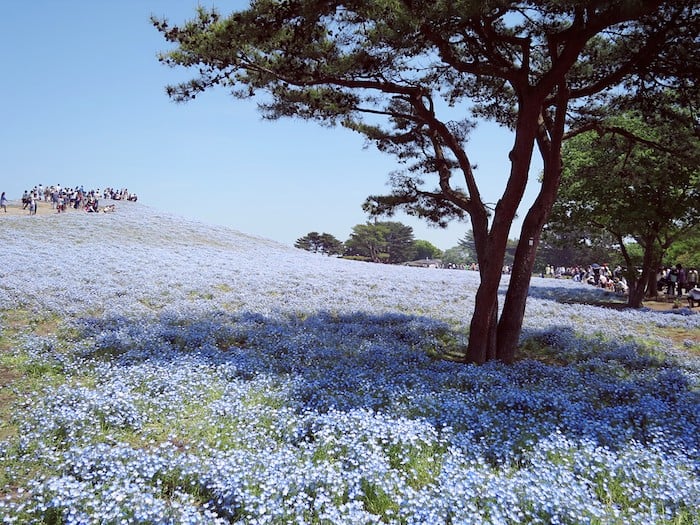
83, 102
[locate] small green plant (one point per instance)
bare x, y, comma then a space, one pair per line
537, 350
420, 464
446, 344
377, 500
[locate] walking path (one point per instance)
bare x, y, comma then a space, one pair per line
44, 208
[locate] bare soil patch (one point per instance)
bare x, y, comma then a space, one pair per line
44, 208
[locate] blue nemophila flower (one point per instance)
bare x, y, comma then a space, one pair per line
197, 375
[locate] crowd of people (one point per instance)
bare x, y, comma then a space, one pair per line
62, 198
675, 281
599, 275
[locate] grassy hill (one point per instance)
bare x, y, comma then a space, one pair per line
158, 370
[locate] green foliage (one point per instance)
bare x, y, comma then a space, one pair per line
575, 247
390, 242
635, 253
468, 246
377, 501
320, 243
638, 179
633, 183
420, 463
466, 249
425, 250
686, 250
456, 256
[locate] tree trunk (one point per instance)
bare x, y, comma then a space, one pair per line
511, 323
653, 284
635, 295
484, 323
546, 129
652, 290
649, 265
485, 331
482, 333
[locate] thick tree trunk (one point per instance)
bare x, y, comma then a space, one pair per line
635, 296
532, 128
485, 332
652, 290
637, 284
638, 288
484, 324
511, 323
482, 333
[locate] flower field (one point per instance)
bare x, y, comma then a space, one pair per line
158, 370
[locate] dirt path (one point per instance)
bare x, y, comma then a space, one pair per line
14, 208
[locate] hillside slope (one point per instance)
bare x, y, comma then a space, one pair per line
159, 370
139, 261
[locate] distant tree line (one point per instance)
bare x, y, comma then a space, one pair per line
393, 243
382, 242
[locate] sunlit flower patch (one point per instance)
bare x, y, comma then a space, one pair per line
197, 375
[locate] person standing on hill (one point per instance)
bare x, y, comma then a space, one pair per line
3, 202
682, 279
692, 278
672, 279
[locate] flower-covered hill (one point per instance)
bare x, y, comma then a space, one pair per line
139, 258
159, 370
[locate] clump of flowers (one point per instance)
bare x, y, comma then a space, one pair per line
233, 380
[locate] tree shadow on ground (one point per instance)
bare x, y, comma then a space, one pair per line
591, 296
605, 391
580, 295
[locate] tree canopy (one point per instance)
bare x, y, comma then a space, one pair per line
415, 76
637, 176
564, 245
456, 257
390, 242
320, 243
425, 250
686, 250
